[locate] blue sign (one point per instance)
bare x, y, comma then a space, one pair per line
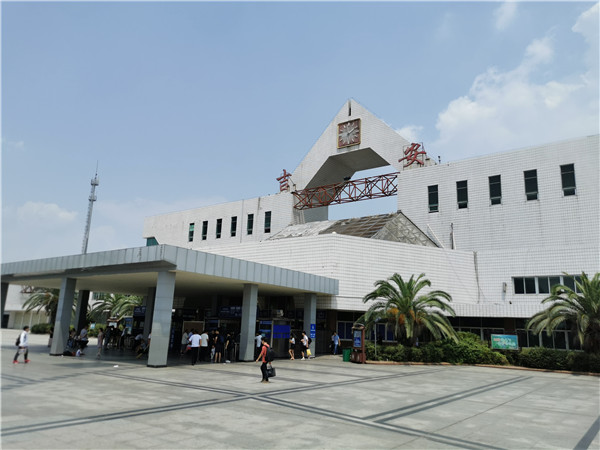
358, 338
281, 331
313, 330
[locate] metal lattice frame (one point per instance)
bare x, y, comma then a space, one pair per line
347, 191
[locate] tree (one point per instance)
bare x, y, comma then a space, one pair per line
398, 302
43, 299
580, 307
115, 305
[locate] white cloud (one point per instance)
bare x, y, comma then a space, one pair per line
12, 145
47, 214
410, 132
505, 14
511, 109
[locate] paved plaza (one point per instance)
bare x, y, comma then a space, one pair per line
118, 402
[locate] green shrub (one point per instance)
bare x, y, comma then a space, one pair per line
583, 362
432, 352
41, 328
544, 358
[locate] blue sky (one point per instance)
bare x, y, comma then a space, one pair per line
190, 104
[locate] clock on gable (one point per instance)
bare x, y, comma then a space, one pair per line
348, 133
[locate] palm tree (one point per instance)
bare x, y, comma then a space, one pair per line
115, 305
43, 299
398, 302
580, 307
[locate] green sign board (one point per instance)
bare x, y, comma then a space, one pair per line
505, 341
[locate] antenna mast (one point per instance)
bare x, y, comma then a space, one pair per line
95, 182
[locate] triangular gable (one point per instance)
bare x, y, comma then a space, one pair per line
330, 161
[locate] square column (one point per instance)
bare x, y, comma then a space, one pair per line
4, 295
63, 316
310, 317
81, 310
149, 302
249, 303
162, 308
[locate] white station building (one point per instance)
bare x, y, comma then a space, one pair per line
495, 232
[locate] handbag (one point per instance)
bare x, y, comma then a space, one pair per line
271, 371
308, 352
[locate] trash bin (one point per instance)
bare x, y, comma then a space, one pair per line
347, 352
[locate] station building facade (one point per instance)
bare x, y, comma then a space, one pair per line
495, 232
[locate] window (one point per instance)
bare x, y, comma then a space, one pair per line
233, 226
543, 285
267, 221
495, 190
567, 175
524, 285
531, 185
462, 195
433, 198
191, 233
250, 224
151, 241
204, 229
219, 226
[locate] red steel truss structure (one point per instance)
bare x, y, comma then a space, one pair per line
347, 191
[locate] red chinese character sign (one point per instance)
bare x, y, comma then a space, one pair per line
284, 184
411, 155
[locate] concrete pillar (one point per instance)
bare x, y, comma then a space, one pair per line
162, 307
149, 302
249, 302
63, 316
4, 294
310, 317
81, 311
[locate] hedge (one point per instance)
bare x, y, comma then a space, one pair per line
471, 350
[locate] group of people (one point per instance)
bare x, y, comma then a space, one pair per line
203, 347
305, 342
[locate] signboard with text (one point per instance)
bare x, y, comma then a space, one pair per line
505, 342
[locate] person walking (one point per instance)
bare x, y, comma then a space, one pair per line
305, 344
195, 340
100, 338
185, 337
292, 346
335, 342
219, 347
203, 346
263, 357
23, 344
258, 340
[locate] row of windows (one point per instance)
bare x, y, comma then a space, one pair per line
232, 228
543, 285
567, 174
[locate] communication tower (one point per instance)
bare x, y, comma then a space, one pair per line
95, 182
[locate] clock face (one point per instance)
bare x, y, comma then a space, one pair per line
349, 133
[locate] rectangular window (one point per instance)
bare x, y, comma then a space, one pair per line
531, 185
233, 226
543, 285
204, 230
495, 190
267, 221
250, 224
519, 286
554, 281
567, 175
433, 198
569, 282
530, 285
219, 226
462, 195
191, 233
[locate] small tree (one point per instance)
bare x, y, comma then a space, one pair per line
43, 299
580, 307
398, 302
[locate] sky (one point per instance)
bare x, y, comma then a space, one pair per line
189, 104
